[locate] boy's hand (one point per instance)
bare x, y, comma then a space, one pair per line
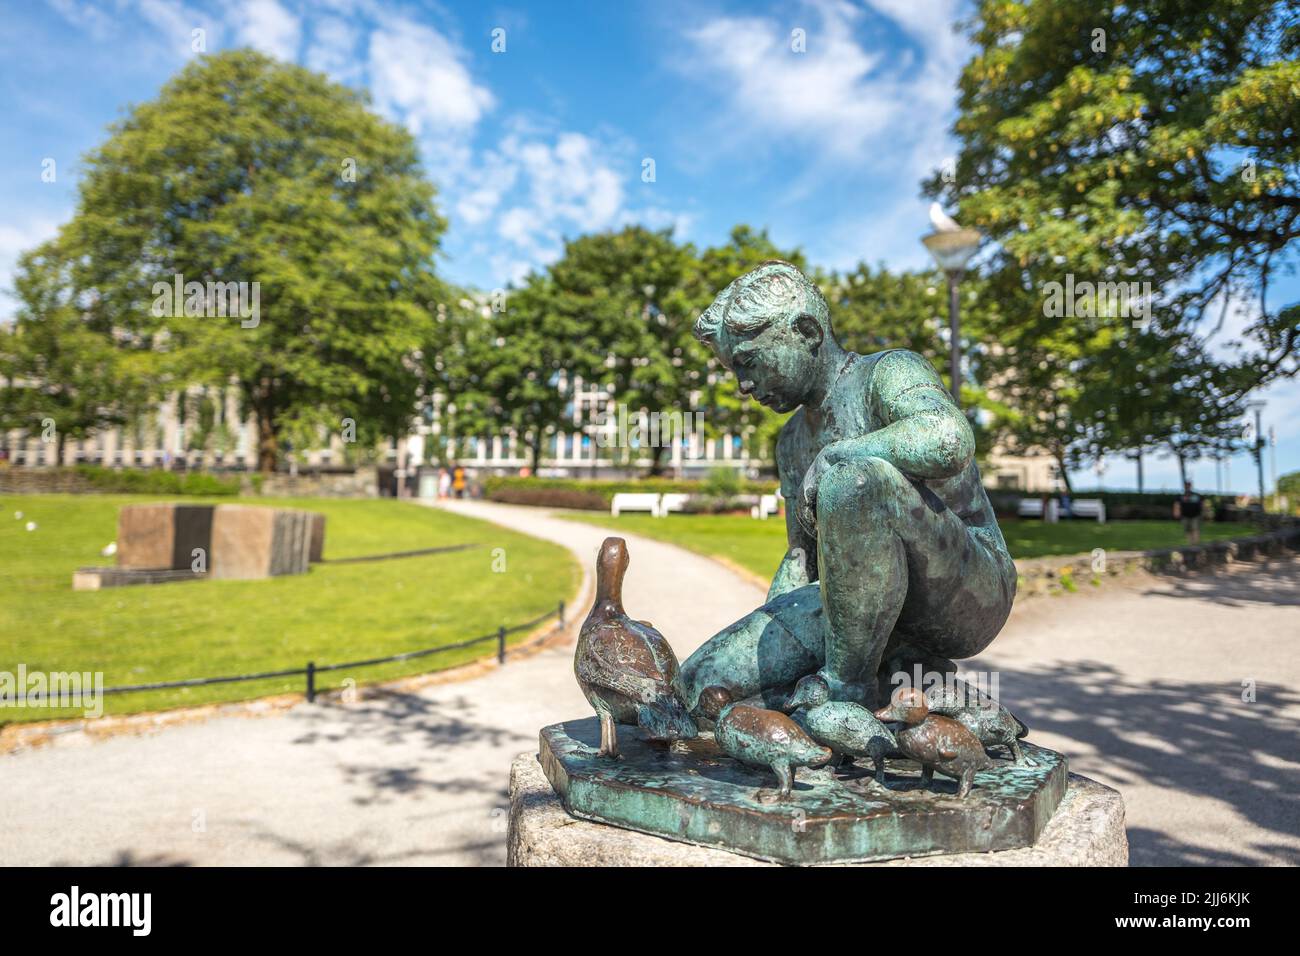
831, 455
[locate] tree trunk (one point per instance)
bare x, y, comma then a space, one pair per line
1182, 469
657, 461
60, 443
268, 445
535, 453
1065, 474
1139, 464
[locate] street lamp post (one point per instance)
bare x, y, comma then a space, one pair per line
1258, 448
952, 247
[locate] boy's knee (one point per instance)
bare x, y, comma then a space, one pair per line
867, 482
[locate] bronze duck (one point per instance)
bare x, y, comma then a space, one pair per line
850, 730
936, 743
761, 738
983, 716
625, 667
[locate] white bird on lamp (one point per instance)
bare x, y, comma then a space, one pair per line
941, 221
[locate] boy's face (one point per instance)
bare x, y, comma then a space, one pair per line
776, 366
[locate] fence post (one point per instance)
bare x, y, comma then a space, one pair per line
501, 645
311, 682
561, 614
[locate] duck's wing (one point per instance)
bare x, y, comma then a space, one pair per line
618, 661
657, 646
951, 737
856, 720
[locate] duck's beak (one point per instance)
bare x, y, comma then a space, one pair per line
796, 700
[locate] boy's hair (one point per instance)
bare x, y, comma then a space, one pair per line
752, 301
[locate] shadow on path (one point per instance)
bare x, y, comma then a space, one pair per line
1278, 585
433, 735
1199, 738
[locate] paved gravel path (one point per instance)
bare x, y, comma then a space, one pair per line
1139, 684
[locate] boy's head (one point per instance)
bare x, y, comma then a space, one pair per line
768, 328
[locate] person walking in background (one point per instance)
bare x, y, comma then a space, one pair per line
1188, 506
444, 483
458, 481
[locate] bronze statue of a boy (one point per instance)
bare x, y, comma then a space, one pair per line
894, 551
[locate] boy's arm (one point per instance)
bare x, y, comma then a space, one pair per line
798, 567
925, 435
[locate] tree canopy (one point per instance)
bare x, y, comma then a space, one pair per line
251, 177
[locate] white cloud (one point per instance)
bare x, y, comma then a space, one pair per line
86, 15
174, 24
837, 95
569, 186
267, 26
864, 110
417, 75
493, 176
333, 49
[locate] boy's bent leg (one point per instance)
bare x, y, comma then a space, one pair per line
891, 554
767, 649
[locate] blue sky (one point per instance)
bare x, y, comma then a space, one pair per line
549, 138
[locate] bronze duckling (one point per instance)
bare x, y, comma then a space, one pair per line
936, 743
625, 667
983, 716
849, 729
761, 738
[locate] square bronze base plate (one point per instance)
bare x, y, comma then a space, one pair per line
692, 792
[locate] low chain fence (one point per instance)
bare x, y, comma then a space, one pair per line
312, 668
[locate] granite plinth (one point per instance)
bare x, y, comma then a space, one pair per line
1087, 829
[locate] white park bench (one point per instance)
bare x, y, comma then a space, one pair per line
1079, 508
672, 502
1033, 508
628, 501
1089, 508
767, 505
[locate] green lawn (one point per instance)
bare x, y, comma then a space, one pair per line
338, 613
760, 545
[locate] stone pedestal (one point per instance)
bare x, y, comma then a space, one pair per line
162, 535
317, 551
1087, 829
254, 542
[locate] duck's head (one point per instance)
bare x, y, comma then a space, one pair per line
712, 701
811, 691
907, 705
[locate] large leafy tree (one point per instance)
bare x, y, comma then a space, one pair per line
624, 296
248, 170
1154, 141
504, 367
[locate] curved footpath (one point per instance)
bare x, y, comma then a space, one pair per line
1178, 691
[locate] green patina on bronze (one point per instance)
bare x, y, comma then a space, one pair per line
895, 566
693, 793
895, 556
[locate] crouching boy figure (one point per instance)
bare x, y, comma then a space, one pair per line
894, 555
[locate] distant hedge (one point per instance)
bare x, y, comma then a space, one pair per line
150, 481
586, 495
